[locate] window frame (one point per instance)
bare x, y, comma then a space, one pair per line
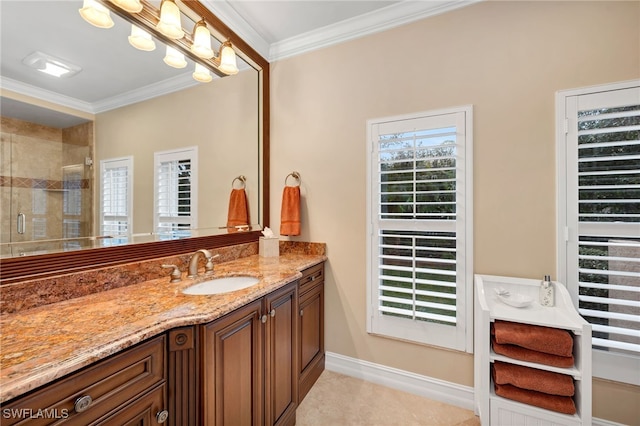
427, 333
606, 365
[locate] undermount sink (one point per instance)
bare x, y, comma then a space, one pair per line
221, 285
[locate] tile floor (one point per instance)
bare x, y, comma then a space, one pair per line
339, 400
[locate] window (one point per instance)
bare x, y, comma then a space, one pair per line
176, 191
116, 188
599, 219
420, 242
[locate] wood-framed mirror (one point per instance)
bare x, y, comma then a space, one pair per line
94, 253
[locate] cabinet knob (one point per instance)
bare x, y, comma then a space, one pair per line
162, 416
272, 313
82, 403
263, 319
301, 312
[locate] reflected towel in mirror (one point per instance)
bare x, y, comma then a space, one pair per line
238, 209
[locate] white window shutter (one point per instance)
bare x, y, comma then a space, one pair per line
420, 242
175, 204
116, 189
600, 261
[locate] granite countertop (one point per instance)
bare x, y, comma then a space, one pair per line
42, 344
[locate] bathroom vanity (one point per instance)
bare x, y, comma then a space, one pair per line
149, 354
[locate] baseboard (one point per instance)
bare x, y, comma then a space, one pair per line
438, 390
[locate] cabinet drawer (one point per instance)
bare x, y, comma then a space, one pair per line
146, 410
310, 277
103, 387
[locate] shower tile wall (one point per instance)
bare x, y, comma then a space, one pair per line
43, 175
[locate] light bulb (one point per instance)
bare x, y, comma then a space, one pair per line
202, 41
132, 6
169, 23
202, 74
174, 58
96, 14
228, 63
140, 39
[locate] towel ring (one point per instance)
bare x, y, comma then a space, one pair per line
242, 179
295, 175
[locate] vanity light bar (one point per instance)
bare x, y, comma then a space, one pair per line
148, 18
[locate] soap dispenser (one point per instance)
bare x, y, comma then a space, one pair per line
547, 296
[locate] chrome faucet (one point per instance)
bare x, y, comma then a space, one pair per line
193, 263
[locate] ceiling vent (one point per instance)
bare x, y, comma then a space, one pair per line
51, 65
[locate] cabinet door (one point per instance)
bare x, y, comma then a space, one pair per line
311, 332
281, 385
232, 367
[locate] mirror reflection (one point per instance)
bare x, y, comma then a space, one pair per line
127, 146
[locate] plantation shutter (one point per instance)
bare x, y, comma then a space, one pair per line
419, 219
603, 219
116, 189
175, 191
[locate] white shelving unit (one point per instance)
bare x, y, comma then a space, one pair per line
495, 410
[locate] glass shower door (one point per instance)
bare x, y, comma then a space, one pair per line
46, 190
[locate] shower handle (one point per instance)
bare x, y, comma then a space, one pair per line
21, 223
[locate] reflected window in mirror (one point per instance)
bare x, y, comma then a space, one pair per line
176, 191
116, 189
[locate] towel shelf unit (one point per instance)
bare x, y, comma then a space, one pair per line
496, 410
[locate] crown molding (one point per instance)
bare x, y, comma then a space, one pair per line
182, 81
376, 21
227, 14
382, 19
173, 84
45, 95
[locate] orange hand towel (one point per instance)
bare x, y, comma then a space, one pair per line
537, 338
238, 209
524, 354
290, 212
561, 404
533, 379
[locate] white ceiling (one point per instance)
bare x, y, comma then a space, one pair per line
111, 78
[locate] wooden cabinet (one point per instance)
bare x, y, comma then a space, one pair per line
497, 410
129, 386
311, 358
250, 367
249, 374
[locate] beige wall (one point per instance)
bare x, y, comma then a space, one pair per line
507, 59
220, 118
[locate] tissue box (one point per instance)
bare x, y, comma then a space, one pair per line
269, 247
